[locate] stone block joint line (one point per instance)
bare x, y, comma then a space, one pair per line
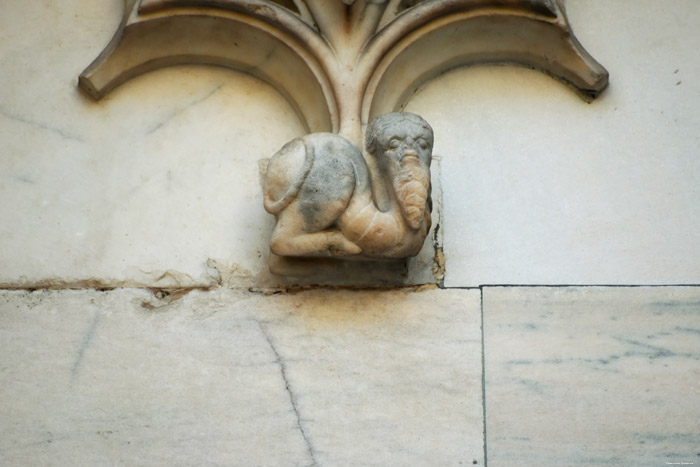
483, 377
562, 286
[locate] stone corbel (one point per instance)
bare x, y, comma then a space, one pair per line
343, 65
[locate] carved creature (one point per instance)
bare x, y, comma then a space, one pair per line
340, 64
319, 188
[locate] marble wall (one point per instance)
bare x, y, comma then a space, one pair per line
540, 188
232, 378
503, 376
155, 190
158, 184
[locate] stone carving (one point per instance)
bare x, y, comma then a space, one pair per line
342, 64
320, 190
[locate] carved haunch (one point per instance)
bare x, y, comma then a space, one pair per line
319, 189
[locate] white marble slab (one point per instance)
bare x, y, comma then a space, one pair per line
542, 188
157, 184
592, 376
231, 378
391, 377
96, 379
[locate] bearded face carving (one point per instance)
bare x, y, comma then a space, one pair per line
320, 190
403, 144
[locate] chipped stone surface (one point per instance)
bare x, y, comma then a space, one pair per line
235, 378
593, 376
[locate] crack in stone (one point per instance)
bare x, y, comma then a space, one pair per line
172, 115
292, 398
87, 338
39, 125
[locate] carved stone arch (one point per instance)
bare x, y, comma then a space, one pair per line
435, 38
340, 64
164, 33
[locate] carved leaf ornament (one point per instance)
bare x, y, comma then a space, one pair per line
342, 63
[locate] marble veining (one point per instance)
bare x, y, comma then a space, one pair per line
292, 397
177, 111
323, 377
592, 376
38, 124
87, 338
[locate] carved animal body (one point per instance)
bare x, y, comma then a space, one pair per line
319, 188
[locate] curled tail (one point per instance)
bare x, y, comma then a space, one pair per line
277, 173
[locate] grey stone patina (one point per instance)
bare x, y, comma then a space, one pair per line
319, 188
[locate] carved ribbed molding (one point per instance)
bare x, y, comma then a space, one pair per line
341, 64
